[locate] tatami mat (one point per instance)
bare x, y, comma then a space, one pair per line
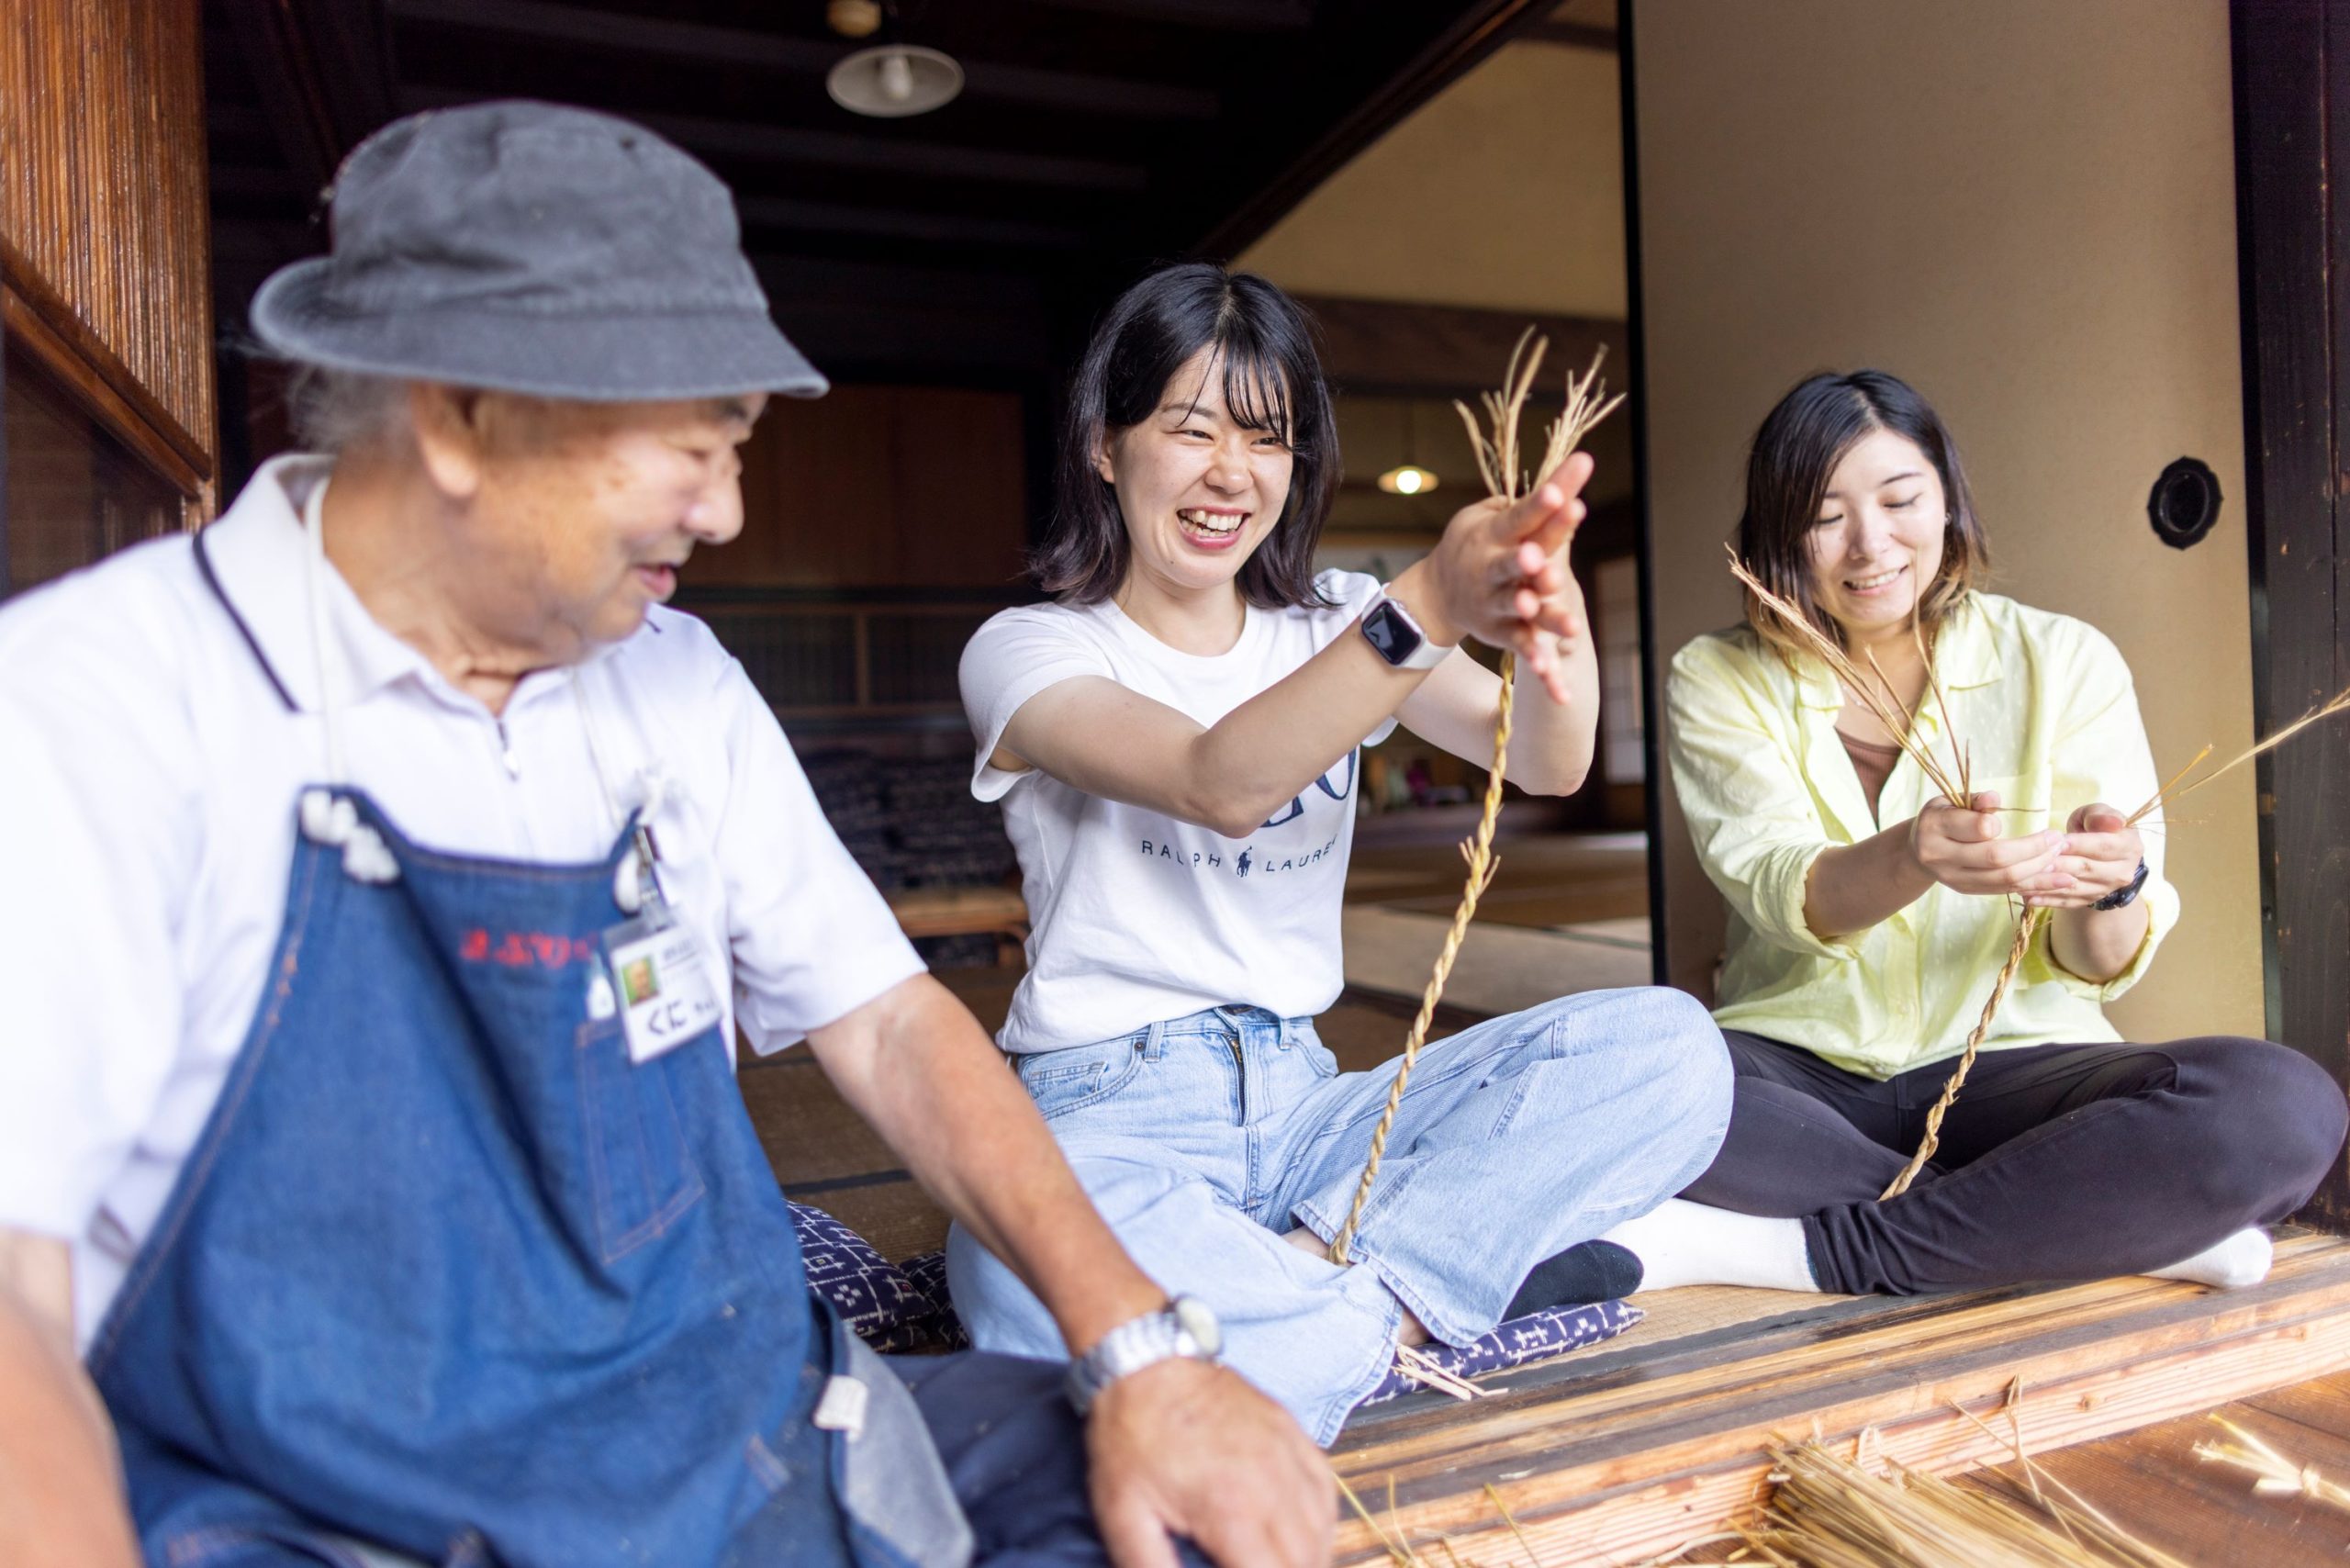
1502, 968
1702, 1309
895, 1215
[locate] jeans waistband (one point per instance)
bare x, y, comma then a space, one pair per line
1225, 1023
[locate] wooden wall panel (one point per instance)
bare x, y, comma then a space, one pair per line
881, 487
104, 227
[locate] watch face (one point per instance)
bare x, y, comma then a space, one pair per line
1394, 637
1198, 1320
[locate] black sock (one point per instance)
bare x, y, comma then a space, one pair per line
1589, 1271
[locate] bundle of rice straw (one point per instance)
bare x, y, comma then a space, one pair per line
2276, 1475
1831, 1512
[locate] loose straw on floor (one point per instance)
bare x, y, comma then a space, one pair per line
2276, 1475
1497, 450
1827, 1511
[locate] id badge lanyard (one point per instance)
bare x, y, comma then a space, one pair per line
657, 974
654, 972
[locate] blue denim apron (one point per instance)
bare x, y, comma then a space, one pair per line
449, 1273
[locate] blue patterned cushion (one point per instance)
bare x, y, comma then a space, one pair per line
928, 1272
1538, 1337
867, 1291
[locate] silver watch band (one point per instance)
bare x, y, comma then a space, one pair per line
1184, 1328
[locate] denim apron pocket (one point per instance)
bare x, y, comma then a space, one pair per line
640, 1171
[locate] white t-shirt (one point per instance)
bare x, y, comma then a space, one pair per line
1134, 916
149, 773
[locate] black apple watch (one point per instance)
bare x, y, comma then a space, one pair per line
2125, 893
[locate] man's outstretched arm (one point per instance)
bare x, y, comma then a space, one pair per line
60, 1489
1181, 1448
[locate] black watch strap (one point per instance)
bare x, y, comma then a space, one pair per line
2125, 893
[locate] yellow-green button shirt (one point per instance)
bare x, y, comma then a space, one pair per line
2044, 705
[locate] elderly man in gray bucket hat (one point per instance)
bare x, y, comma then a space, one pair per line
369, 1143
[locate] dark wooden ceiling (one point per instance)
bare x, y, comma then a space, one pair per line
974, 243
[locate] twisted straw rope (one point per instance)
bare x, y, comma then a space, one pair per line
1479, 852
2026, 927
1586, 405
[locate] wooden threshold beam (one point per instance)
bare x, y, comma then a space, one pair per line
1637, 1456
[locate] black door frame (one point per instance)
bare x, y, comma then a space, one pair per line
2293, 111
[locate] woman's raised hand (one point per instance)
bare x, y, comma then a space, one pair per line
1962, 848
1499, 573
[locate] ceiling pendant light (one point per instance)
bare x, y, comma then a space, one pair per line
892, 81
1408, 479
853, 18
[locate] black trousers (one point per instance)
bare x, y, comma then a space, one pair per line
2057, 1162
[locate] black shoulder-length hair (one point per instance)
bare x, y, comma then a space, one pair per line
1795, 456
1272, 381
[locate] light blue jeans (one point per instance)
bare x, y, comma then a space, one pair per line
1203, 1138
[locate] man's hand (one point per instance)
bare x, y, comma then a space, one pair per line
2101, 856
1182, 1448
1961, 847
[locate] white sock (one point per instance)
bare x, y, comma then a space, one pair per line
1682, 1243
2238, 1260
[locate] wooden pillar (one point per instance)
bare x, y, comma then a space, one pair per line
2292, 94
105, 263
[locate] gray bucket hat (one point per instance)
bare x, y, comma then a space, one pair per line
533, 248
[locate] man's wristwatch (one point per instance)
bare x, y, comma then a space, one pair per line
1186, 1327
1397, 638
2125, 893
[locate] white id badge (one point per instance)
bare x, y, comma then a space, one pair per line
665, 994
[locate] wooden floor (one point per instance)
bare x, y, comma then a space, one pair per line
1630, 1449
1639, 1446
2152, 1482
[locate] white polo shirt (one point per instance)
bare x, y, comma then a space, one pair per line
148, 777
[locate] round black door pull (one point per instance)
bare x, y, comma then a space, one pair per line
2185, 502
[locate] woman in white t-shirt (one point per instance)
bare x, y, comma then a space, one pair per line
1174, 741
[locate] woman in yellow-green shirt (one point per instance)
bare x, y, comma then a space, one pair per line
1868, 916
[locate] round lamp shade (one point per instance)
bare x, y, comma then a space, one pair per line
892, 81
1409, 480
